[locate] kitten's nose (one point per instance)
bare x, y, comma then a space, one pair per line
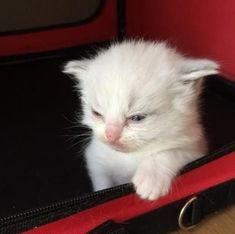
113, 133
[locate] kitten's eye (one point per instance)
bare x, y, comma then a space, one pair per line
96, 114
137, 118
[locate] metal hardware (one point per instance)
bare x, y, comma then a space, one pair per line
182, 212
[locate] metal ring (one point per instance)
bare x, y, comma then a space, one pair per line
182, 212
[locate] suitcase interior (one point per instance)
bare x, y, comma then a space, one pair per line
41, 159
41, 162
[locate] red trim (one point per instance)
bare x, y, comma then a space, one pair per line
104, 27
198, 28
131, 206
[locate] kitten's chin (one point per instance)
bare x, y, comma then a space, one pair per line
121, 148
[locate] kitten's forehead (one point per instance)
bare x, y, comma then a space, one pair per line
135, 61
123, 99
129, 75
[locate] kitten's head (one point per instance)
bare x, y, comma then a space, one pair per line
137, 92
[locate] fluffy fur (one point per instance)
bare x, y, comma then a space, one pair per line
161, 87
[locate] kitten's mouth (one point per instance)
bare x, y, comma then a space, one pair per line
119, 146
116, 146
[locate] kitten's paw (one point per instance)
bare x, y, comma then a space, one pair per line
152, 181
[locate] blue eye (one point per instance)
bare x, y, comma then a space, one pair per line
137, 118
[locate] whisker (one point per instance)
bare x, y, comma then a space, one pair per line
74, 126
81, 151
73, 137
77, 135
69, 120
79, 127
81, 142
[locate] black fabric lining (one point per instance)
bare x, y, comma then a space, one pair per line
121, 8
223, 87
210, 157
220, 132
92, 17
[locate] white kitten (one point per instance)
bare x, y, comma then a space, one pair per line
141, 101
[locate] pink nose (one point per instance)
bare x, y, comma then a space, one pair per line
113, 133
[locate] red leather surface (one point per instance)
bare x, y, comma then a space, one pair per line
104, 27
199, 28
131, 206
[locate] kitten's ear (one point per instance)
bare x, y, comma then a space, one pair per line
194, 69
76, 68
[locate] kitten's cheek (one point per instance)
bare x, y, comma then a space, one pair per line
98, 132
151, 181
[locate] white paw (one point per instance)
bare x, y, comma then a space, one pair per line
152, 181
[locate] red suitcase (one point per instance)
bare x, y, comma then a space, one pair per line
44, 186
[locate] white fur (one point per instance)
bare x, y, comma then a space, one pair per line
139, 77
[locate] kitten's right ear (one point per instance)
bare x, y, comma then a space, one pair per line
76, 68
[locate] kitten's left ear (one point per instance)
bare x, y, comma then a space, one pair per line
76, 68
193, 69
